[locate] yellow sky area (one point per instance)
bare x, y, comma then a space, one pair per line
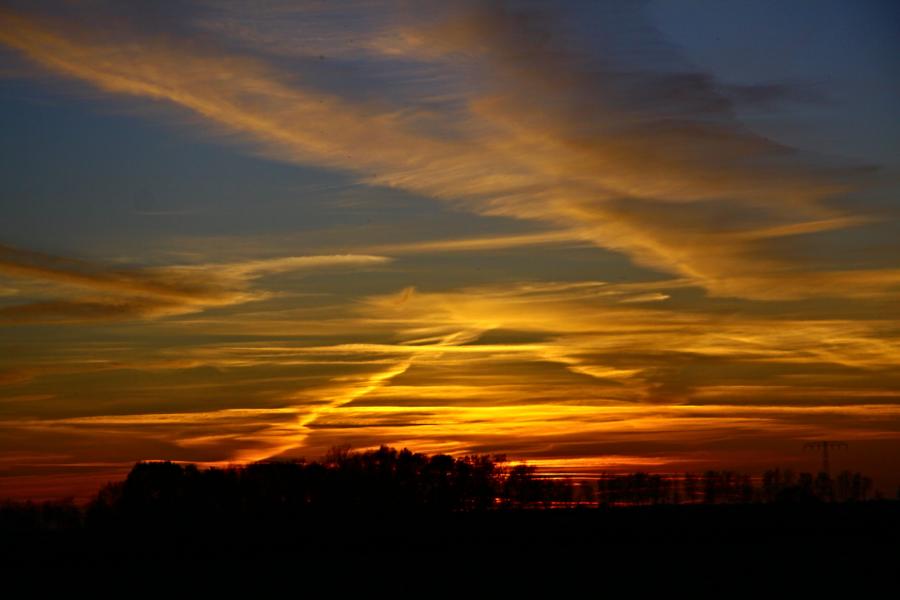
598, 366
599, 318
475, 401
588, 328
459, 427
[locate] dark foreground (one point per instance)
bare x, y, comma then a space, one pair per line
503, 533
408, 515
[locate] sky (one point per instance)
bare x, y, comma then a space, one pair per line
591, 236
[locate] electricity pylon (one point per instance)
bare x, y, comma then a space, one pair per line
825, 446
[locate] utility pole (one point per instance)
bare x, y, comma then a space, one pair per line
825, 446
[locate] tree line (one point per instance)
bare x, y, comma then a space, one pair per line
390, 481
728, 487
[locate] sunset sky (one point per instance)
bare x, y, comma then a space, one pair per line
656, 235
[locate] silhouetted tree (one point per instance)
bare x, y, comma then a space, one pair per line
521, 488
691, 487
162, 496
823, 487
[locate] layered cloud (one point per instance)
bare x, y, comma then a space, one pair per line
628, 149
574, 376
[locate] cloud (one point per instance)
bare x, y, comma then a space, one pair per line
478, 244
242, 271
642, 353
637, 155
105, 293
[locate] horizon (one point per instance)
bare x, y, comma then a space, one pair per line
381, 472
623, 236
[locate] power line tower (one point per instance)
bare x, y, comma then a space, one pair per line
825, 446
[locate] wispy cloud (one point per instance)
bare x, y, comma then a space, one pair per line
641, 158
103, 292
